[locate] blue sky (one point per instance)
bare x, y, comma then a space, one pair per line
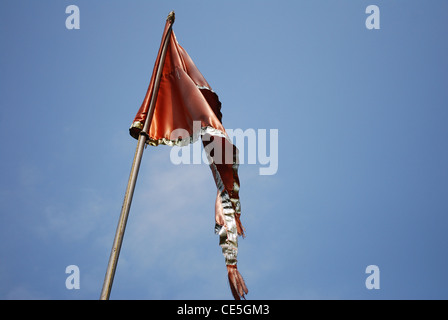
362, 159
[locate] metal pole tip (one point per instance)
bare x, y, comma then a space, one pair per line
171, 17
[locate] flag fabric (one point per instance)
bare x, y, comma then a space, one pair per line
187, 109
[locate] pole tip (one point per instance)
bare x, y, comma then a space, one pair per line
171, 17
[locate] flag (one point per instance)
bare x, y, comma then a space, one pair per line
187, 109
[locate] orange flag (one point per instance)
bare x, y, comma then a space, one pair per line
187, 109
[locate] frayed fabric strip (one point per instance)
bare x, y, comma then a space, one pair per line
184, 141
228, 235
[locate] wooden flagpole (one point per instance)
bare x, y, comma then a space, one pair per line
118, 240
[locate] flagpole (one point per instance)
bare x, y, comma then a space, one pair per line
118, 240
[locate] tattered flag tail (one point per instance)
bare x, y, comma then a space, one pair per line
237, 284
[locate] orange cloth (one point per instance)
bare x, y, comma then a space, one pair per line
184, 96
184, 99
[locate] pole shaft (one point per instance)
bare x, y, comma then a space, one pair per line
118, 240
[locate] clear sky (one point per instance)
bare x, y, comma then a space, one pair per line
362, 128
